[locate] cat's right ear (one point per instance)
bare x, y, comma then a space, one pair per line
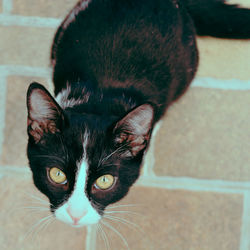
44, 114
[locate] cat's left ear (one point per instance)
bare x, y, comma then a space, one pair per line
44, 114
135, 128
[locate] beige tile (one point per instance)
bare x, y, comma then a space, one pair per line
15, 136
206, 135
44, 8
16, 221
25, 45
223, 58
178, 220
242, 3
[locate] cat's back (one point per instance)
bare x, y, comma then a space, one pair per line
123, 43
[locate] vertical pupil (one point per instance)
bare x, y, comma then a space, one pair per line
104, 179
58, 173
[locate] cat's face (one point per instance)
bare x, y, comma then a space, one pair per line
83, 162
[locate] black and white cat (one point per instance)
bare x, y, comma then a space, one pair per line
118, 65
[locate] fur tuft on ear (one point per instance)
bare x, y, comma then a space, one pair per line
44, 114
135, 128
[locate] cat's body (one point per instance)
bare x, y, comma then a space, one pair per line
118, 65
130, 48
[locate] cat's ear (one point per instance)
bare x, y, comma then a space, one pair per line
135, 128
44, 114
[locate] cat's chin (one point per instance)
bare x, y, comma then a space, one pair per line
78, 225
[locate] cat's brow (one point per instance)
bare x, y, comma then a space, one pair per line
112, 153
50, 157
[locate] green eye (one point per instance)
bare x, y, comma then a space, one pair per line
57, 176
105, 181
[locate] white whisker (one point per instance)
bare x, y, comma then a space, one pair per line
38, 199
123, 205
117, 232
47, 223
115, 151
36, 225
34, 208
104, 236
123, 212
124, 221
31, 209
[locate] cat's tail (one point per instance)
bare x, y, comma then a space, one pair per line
217, 18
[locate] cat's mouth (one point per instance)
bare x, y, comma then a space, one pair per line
76, 225
77, 216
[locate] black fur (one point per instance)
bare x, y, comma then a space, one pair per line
130, 59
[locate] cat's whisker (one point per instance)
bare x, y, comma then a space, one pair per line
47, 223
38, 199
41, 227
104, 236
124, 221
36, 225
117, 232
35, 202
123, 212
31, 209
112, 153
123, 205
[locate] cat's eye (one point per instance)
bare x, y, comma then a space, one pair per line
105, 182
57, 176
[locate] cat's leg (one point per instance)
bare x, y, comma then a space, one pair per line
149, 159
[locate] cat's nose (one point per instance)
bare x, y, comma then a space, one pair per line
76, 215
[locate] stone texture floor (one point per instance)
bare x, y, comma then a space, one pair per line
197, 194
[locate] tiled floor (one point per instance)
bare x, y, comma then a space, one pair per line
195, 197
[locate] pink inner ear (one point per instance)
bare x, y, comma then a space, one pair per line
139, 121
135, 128
43, 114
41, 106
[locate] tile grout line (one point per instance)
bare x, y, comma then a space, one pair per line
28, 21
149, 158
192, 184
15, 169
25, 70
3, 90
204, 82
7, 6
225, 84
91, 238
245, 224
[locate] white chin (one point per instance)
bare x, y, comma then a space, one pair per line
78, 225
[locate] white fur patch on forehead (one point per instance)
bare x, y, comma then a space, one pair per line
65, 102
81, 176
85, 140
79, 205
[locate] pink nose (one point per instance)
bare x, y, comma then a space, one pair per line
76, 215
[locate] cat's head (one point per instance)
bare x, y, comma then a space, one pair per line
83, 162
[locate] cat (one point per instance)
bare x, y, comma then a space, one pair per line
117, 66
